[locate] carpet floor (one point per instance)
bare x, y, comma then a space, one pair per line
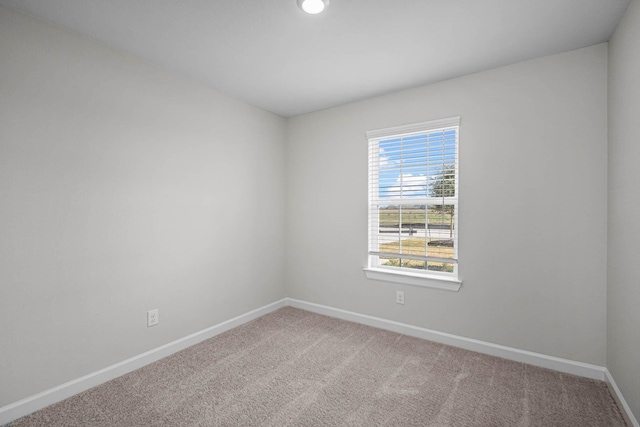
295, 368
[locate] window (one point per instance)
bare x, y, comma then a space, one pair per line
413, 204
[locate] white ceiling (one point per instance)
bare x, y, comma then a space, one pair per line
271, 54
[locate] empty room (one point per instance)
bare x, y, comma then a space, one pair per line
319, 213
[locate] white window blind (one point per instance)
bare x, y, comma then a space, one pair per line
413, 198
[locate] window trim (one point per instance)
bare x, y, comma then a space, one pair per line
431, 279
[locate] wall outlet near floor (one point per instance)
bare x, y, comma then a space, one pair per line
152, 317
399, 297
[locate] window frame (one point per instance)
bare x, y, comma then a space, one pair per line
417, 277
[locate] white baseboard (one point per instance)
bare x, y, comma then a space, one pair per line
542, 360
41, 400
524, 356
617, 395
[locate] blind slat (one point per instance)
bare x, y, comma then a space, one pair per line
414, 257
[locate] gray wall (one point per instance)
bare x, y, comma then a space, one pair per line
533, 189
623, 296
123, 188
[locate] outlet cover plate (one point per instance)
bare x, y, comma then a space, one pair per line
152, 317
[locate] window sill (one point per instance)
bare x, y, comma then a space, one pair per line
427, 281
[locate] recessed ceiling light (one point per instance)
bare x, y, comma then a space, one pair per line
313, 7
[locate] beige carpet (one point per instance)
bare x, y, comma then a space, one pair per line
295, 368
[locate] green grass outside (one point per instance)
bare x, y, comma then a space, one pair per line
418, 246
391, 217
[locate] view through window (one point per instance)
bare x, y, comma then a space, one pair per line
413, 198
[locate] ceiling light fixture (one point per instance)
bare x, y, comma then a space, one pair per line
313, 7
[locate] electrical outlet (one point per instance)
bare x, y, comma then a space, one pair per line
152, 317
399, 297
